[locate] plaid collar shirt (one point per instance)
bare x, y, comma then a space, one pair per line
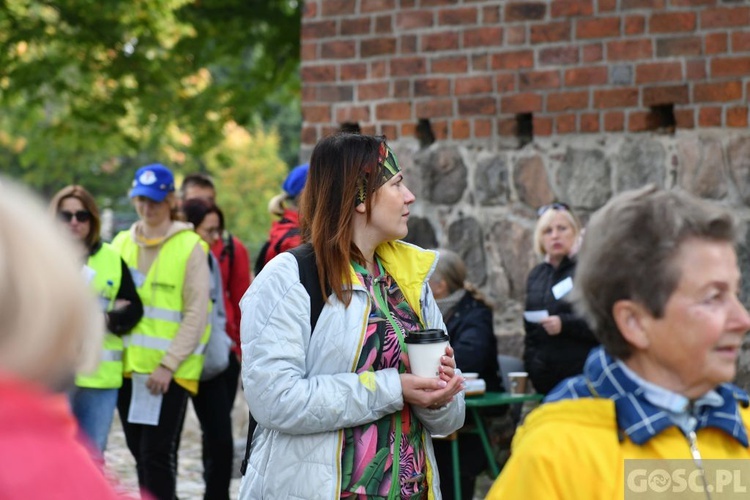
637, 415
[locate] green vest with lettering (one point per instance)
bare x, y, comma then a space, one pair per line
161, 294
106, 283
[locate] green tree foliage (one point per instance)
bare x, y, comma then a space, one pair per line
91, 89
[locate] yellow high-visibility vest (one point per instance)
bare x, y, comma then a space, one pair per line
106, 282
161, 294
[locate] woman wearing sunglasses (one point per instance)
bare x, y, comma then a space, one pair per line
94, 397
556, 346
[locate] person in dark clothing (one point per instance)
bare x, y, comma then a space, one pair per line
556, 346
468, 318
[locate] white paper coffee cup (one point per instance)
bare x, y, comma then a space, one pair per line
517, 382
425, 349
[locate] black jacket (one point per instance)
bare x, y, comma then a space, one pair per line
551, 358
473, 340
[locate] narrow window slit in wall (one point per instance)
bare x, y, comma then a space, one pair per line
424, 133
661, 119
524, 128
351, 128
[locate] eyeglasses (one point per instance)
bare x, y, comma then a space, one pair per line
554, 206
80, 215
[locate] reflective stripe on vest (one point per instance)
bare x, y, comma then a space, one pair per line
107, 267
161, 294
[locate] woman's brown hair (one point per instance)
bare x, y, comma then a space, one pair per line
339, 165
80, 193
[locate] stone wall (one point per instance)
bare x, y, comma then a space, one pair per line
482, 202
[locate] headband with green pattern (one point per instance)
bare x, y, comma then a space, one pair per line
387, 167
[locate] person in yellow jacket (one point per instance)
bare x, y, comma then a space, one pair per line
164, 352
94, 397
654, 411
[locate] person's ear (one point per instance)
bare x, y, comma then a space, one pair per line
632, 320
360, 208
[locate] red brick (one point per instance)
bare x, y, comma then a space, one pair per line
309, 135
639, 121
434, 108
473, 85
558, 55
377, 5
681, 46
550, 32
409, 20
692, 3
515, 35
482, 128
506, 127
531, 80
593, 52
671, 94
353, 114
432, 87
483, 37
614, 121
451, 64
383, 25
440, 129
642, 4
505, 82
352, 71
338, 49
372, 91
658, 72
309, 93
709, 117
439, 41
525, 11
736, 117
717, 92
472, 106
377, 47
356, 26
598, 28
716, 43
308, 52
393, 111
607, 5
566, 124
725, 17
378, 69
741, 42
672, 22
408, 4
336, 93
402, 89
389, 130
684, 118
635, 25
570, 8
480, 62
513, 60
318, 73
408, 44
408, 66
589, 122
521, 103
491, 14
335, 8
460, 129
730, 66
629, 50
542, 125
564, 101
617, 98
457, 17
309, 10
316, 30
696, 69
316, 114
367, 129
584, 77
408, 130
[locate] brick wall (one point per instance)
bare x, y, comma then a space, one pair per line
471, 67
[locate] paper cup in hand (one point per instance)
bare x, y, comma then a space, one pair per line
425, 349
517, 382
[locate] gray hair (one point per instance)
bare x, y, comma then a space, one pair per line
630, 250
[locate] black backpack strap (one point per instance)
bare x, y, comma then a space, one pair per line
308, 276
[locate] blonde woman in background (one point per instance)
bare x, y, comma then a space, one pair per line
50, 328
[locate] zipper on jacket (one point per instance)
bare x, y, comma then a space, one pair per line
696, 454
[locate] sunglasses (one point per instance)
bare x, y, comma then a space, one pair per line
80, 215
563, 207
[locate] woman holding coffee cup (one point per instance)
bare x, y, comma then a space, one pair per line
338, 411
